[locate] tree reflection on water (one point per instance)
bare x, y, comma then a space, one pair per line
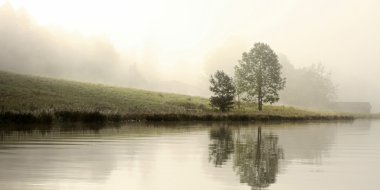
222, 146
255, 155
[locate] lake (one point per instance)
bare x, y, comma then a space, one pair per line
165, 156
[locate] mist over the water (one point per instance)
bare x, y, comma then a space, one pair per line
175, 45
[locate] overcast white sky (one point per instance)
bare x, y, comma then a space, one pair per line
343, 35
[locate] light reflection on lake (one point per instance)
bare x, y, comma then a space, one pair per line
334, 155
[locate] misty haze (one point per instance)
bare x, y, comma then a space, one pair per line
251, 94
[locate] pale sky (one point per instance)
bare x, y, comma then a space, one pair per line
343, 35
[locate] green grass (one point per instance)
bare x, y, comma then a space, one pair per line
30, 93
26, 99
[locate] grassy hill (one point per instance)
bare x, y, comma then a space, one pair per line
30, 96
30, 93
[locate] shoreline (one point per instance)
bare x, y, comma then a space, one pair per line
12, 117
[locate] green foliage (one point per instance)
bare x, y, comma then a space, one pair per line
259, 75
224, 91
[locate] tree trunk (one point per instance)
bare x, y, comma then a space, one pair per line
260, 100
259, 135
258, 155
260, 104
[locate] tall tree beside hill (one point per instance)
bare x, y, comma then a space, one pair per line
260, 73
224, 91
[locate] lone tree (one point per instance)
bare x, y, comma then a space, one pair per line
224, 91
259, 73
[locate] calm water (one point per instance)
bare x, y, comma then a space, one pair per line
339, 156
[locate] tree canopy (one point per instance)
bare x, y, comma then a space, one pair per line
224, 91
259, 75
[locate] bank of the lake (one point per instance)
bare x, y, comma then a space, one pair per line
31, 99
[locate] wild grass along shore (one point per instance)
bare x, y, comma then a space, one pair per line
31, 99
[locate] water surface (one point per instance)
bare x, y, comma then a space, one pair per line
288, 156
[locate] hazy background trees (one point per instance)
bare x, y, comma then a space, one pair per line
309, 86
30, 48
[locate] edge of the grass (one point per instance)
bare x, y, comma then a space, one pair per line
101, 117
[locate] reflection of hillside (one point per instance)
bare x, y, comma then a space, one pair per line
48, 154
77, 153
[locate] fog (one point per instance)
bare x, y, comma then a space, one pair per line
174, 46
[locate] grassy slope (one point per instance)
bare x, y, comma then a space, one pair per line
23, 93
30, 93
